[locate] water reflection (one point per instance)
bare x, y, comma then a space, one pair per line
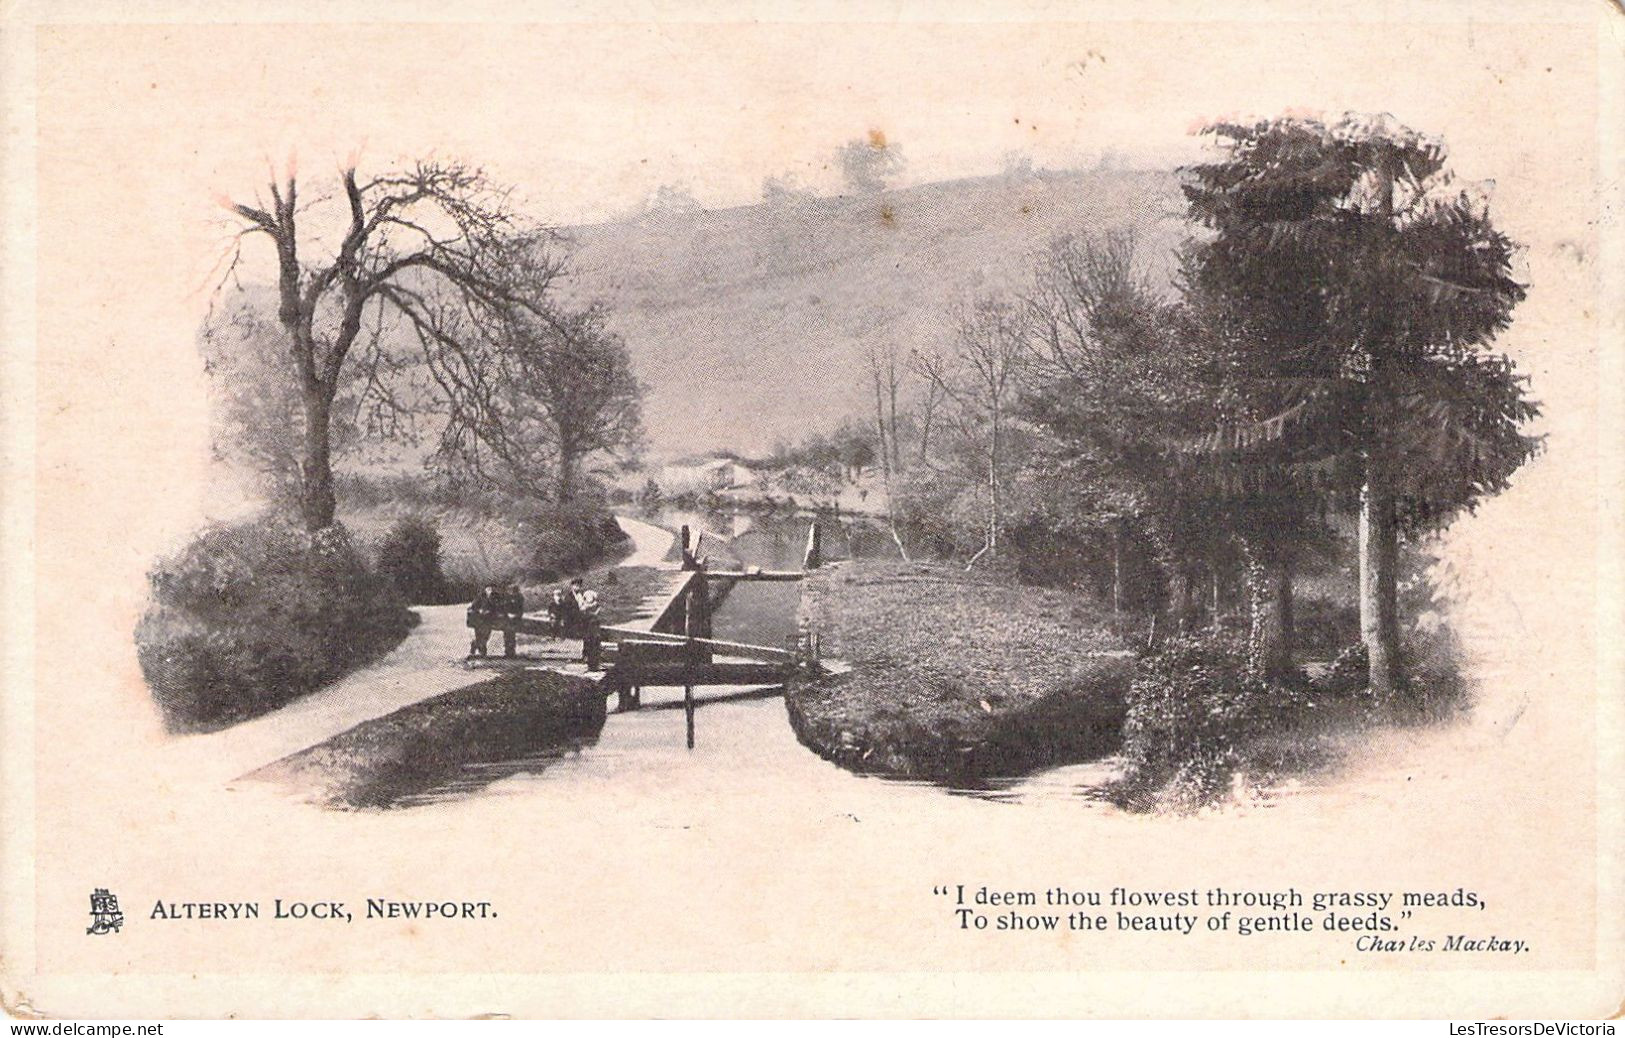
744, 742
474, 777
743, 736
775, 540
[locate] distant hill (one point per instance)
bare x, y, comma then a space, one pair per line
749, 324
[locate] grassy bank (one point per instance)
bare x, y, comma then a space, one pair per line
484, 536
376, 764
954, 676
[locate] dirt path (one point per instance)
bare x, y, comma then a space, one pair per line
650, 543
427, 663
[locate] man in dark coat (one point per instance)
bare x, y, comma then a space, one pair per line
559, 610
513, 606
485, 608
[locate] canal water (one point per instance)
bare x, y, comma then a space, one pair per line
764, 613
743, 737
744, 741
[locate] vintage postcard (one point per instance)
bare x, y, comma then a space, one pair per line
873, 509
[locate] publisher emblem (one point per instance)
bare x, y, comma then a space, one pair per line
105, 916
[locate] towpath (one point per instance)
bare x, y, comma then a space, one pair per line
427, 663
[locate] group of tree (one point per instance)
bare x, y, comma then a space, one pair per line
844, 453
869, 166
870, 163
420, 296
1324, 348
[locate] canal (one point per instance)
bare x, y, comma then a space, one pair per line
743, 737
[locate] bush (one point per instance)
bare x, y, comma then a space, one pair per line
1433, 688
409, 557
250, 616
1192, 710
569, 538
1348, 675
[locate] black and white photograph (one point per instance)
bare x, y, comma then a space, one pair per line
856, 510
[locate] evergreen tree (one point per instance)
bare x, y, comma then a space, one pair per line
1357, 286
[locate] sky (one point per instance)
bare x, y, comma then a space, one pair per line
589, 120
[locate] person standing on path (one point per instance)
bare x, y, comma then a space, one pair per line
482, 614
513, 607
586, 602
560, 611
586, 599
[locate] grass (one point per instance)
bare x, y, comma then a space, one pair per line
484, 536
756, 277
954, 676
379, 763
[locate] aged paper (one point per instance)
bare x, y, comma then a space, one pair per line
747, 876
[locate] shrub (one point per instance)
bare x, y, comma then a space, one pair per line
569, 538
250, 616
1349, 674
1192, 710
1433, 687
409, 557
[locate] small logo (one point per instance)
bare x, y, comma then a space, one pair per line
105, 916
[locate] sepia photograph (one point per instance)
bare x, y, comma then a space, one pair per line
829, 510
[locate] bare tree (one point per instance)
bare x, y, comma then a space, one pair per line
255, 413
930, 403
977, 378
885, 379
568, 396
435, 245
1086, 293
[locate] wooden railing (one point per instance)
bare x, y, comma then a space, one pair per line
675, 644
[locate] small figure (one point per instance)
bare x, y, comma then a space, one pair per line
558, 612
585, 600
513, 606
482, 613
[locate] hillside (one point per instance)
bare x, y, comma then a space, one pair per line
749, 324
